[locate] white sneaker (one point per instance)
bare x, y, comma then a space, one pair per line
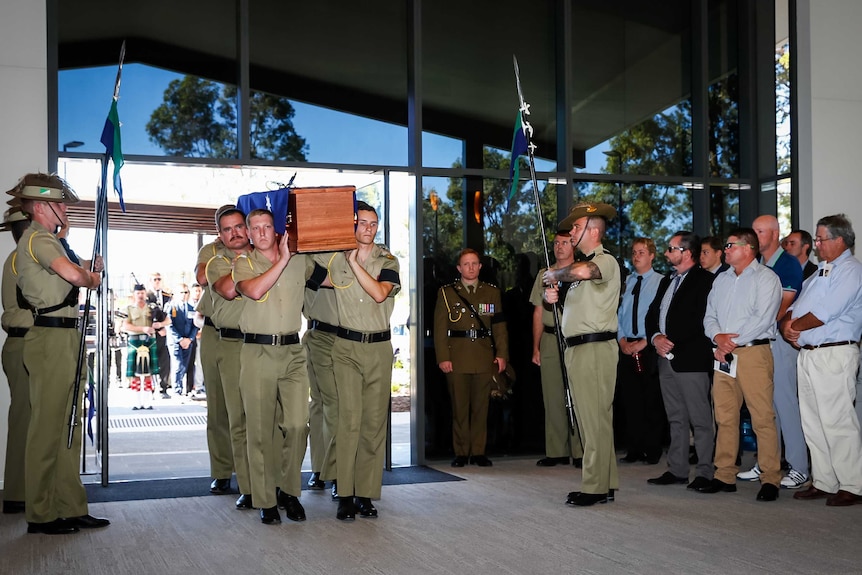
793, 480
752, 474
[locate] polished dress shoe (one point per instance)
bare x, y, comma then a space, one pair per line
581, 499
293, 509
314, 482
88, 522
552, 461
717, 485
812, 493
843, 499
459, 461
55, 527
244, 502
270, 516
667, 478
768, 492
699, 483
651, 459
13, 507
346, 509
481, 461
365, 507
220, 486
574, 494
578, 462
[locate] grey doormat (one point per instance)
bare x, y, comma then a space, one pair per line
198, 486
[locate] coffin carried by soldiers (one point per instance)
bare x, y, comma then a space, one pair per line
321, 219
318, 219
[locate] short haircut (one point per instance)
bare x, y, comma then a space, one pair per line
468, 251
650, 245
689, 241
715, 243
839, 226
196, 284
363, 207
258, 212
597, 223
806, 239
749, 236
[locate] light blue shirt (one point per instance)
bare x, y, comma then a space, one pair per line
649, 287
834, 299
746, 304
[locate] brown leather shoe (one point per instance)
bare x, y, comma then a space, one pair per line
843, 499
811, 493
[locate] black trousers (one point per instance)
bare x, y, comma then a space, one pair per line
642, 405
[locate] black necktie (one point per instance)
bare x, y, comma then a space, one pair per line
636, 292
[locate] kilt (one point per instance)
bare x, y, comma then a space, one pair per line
149, 361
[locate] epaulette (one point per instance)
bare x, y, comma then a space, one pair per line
386, 253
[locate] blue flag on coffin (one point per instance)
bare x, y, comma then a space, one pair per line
272, 200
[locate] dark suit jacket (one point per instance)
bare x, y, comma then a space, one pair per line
692, 349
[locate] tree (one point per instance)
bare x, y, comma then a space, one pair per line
198, 119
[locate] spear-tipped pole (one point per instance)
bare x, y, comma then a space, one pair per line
101, 208
524, 111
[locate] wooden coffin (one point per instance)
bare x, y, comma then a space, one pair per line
321, 219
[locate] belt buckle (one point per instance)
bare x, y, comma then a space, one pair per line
472, 333
366, 338
274, 340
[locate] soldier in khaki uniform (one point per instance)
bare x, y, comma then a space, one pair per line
471, 343
366, 281
218, 424
226, 307
16, 322
55, 499
590, 326
273, 367
321, 309
560, 444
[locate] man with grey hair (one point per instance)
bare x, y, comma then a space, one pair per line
825, 323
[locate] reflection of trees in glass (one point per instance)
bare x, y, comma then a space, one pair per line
782, 107
506, 233
723, 109
197, 118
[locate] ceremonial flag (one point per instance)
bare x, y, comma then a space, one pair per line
113, 148
519, 148
272, 200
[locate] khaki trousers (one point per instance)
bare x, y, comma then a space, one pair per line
558, 441
470, 393
19, 418
753, 383
323, 411
218, 424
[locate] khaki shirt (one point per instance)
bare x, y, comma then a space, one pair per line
279, 311
13, 316
451, 313
537, 298
591, 305
42, 287
356, 309
321, 304
223, 313
140, 316
205, 305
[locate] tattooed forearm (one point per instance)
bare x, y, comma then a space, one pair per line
578, 271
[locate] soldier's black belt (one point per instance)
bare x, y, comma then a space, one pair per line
809, 347
226, 332
17, 331
64, 322
209, 322
590, 338
549, 329
322, 326
471, 333
266, 339
363, 337
754, 342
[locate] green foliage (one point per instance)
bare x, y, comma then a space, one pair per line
197, 118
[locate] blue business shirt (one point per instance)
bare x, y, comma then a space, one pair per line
649, 287
745, 304
835, 299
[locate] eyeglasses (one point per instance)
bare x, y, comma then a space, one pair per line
672, 249
184, 292
157, 279
729, 245
821, 240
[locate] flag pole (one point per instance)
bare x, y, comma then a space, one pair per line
101, 213
524, 111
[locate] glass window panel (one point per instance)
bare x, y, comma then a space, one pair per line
443, 227
724, 209
782, 106
632, 81
723, 91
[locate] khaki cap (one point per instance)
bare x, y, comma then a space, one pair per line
588, 210
44, 188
